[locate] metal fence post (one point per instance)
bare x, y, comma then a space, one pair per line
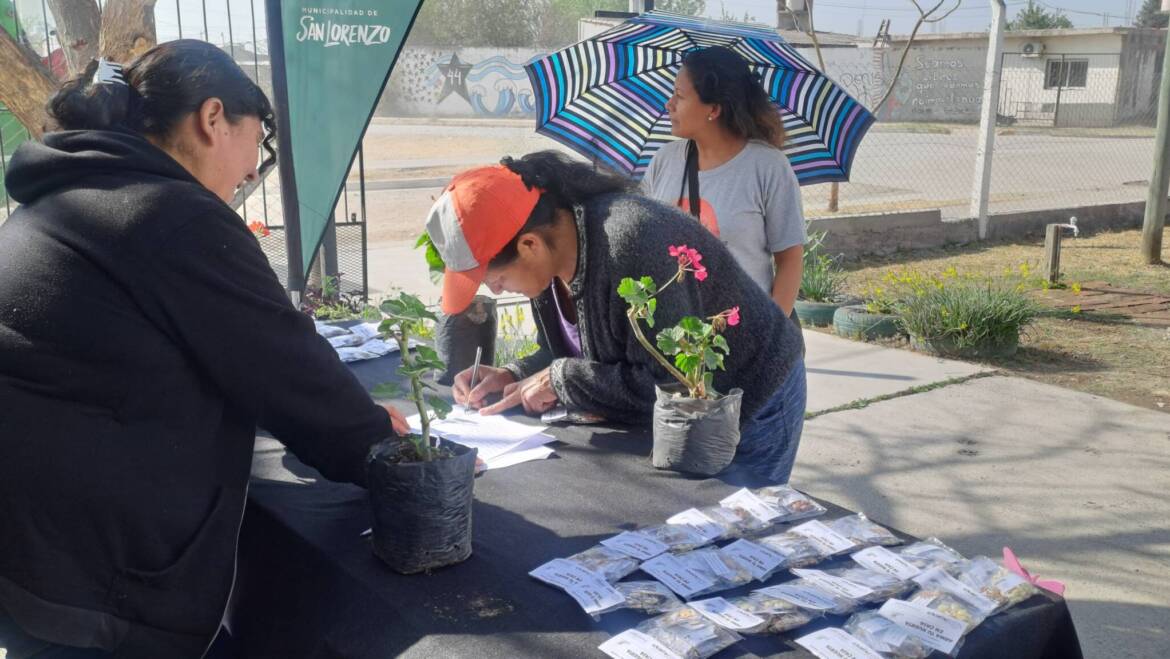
986, 143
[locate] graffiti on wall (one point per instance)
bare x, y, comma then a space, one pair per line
936, 84
469, 82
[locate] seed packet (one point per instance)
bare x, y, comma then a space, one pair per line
721, 569
761, 561
827, 541
849, 593
779, 614
713, 523
929, 553
885, 636
998, 583
346, 340
792, 504
797, 550
688, 633
742, 523
808, 595
648, 596
609, 564
864, 532
949, 605
329, 331
884, 586
678, 537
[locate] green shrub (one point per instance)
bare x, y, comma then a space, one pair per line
513, 342
966, 310
821, 279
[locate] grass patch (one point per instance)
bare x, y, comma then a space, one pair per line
1102, 354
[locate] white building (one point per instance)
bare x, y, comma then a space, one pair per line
1074, 77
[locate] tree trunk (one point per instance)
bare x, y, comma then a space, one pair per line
79, 22
25, 84
127, 29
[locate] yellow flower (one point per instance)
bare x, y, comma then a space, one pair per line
962, 326
1076, 288
1076, 309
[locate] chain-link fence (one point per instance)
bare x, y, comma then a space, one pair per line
237, 27
1075, 121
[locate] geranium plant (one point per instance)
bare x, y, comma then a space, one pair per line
407, 317
696, 344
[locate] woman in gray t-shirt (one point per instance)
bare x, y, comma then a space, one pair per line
748, 195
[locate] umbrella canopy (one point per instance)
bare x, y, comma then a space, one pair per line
605, 97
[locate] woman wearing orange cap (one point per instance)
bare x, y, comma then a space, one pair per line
564, 235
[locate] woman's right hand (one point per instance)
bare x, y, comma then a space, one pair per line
490, 380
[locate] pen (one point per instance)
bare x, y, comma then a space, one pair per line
475, 369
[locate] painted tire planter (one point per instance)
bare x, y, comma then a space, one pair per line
853, 321
817, 314
945, 347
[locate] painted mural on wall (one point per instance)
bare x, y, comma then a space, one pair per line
937, 84
479, 82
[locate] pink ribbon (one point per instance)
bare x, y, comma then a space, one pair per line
1012, 563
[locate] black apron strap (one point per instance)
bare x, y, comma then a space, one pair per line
691, 177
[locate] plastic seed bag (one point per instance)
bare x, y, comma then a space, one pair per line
797, 550
329, 331
1004, 587
609, 564
793, 505
864, 532
884, 586
929, 553
723, 570
346, 340
947, 604
648, 596
885, 636
779, 615
678, 537
688, 633
741, 523
713, 523
810, 595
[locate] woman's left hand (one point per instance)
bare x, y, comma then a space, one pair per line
535, 392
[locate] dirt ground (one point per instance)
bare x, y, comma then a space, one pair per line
1104, 354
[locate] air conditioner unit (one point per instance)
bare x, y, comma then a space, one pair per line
1032, 49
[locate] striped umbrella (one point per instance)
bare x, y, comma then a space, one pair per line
605, 97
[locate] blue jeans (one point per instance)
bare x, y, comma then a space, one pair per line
768, 441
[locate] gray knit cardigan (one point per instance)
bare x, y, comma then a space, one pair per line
622, 235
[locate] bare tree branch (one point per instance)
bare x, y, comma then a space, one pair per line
25, 84
127, 29
79, 23
923, 17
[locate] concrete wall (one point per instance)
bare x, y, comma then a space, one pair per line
858, 236
1139, 73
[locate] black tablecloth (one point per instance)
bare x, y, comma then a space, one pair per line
309, 586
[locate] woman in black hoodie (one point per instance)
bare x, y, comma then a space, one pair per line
143, 337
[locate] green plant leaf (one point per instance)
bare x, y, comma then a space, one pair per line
720, 343
667, 344
439, 406
691, 325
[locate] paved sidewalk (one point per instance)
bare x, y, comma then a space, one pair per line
1074, 483
841, 371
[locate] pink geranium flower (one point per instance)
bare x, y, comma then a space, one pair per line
733, 317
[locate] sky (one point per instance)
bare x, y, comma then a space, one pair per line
855, 17
862, 17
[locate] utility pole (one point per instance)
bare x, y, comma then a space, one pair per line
986, 144
1155, 219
